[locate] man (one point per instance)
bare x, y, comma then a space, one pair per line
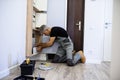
64, 52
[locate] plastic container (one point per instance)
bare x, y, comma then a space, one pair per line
27, 69
27, 78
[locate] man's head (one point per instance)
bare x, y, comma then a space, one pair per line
45, 30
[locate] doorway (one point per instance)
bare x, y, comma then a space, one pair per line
75, 22
107, 30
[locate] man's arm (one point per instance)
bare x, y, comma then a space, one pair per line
47, 44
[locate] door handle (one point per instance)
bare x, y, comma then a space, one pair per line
79, 25
107, 25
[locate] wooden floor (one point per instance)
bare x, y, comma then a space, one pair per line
62, 72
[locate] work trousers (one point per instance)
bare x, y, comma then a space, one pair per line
65, 50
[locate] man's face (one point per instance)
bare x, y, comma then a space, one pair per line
46, 32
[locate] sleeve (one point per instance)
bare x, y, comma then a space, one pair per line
53, 33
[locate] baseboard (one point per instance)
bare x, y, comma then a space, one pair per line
6, 72
107, 60
93, 61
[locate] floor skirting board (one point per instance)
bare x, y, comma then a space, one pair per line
94, 61
6, 72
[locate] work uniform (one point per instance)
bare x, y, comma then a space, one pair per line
64, 52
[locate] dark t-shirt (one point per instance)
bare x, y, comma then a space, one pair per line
58, 32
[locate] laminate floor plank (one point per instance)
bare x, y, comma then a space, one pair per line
63, 72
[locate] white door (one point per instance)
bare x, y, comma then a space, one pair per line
107, 30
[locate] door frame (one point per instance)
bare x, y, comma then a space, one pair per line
107, 27
66, 4
29, 28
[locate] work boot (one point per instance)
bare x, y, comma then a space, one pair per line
83, 59
70, 62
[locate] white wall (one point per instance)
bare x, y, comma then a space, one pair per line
12, 34
56, 13
115, 64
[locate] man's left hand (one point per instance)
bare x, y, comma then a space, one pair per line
39, 49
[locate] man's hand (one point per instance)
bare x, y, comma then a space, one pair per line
39, 49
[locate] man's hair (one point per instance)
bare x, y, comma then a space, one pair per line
42, 28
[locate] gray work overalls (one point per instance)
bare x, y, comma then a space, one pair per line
65, 50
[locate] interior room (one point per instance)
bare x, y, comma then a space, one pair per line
93, 26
